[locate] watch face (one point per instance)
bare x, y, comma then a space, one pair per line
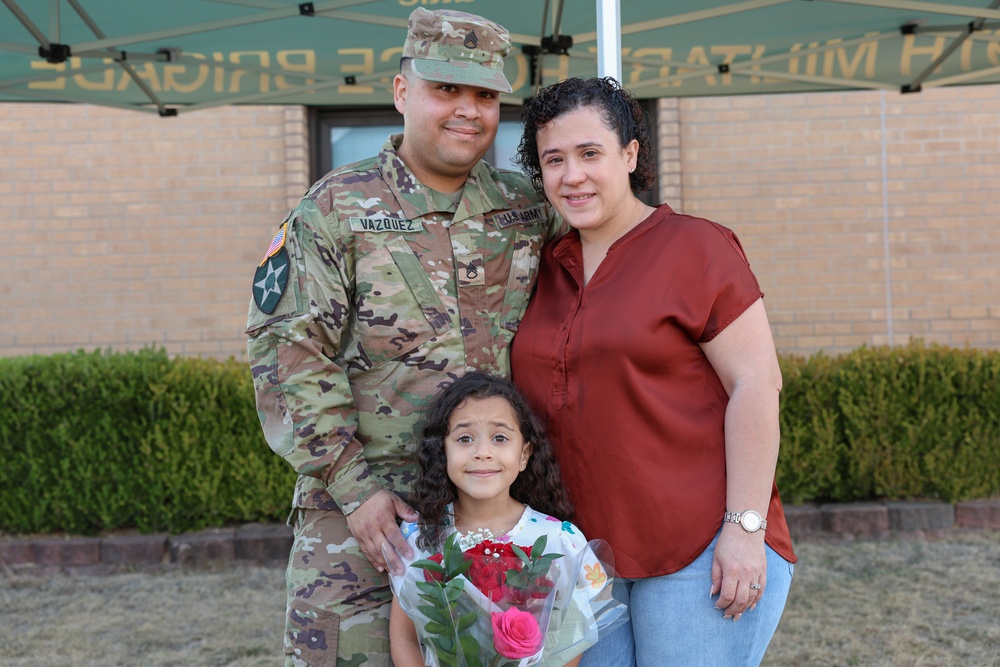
750, 521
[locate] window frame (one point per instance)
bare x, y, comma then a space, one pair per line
323, 119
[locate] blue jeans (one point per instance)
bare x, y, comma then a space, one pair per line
674, 623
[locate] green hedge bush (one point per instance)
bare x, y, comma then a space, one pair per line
894, 423
101, 441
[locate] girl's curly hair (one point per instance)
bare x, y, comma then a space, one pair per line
621, 112
538, 485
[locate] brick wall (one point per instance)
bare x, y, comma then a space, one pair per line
123, 229
863, 213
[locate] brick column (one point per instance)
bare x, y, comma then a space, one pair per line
669, 139
297, 176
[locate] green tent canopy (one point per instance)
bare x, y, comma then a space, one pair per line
185, 55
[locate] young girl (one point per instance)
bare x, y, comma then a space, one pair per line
488, 474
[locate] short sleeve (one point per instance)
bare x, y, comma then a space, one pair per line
716, 284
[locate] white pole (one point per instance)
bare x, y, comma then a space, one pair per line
609, 39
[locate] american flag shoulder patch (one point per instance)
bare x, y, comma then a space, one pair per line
277, 243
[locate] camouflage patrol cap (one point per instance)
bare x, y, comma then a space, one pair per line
455, 47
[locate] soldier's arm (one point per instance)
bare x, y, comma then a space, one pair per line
304, 398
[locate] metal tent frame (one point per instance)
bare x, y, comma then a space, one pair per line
48, 42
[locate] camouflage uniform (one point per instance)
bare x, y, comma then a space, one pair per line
392, 291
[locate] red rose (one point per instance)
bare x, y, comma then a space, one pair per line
493, 549
489, 577
434, 576
543, 586
490, 563
537, 590
518, 597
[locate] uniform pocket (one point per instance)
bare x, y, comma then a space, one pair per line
312, 634
396, 307
272, 403
523, 273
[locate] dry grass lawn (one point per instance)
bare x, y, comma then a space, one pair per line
893, 604
870, 603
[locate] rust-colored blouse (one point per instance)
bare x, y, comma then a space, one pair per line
633, 407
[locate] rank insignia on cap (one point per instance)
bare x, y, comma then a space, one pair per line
270, 280
277, 243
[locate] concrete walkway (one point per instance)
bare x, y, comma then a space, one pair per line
269, 544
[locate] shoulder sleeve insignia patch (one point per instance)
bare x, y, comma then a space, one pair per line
277, 243
271, 279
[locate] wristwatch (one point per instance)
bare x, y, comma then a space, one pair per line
750, 520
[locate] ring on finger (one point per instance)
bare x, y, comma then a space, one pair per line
755, 587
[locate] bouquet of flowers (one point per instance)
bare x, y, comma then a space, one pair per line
501, 605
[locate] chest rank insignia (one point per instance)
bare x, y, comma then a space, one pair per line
271, 277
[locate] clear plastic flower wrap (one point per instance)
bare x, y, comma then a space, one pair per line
498, 604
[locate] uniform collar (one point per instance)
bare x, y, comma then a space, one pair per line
480, 194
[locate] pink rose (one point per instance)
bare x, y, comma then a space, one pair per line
516, 634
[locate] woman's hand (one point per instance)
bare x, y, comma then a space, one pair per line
739, 562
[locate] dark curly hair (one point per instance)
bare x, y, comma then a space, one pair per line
538, 485
620, 111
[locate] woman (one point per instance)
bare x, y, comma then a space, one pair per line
646, 349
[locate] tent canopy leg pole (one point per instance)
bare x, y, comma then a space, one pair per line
609, 39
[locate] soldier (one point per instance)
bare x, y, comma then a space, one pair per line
391, 278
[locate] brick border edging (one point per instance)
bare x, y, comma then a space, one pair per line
253, 543
879, 519
258, 543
